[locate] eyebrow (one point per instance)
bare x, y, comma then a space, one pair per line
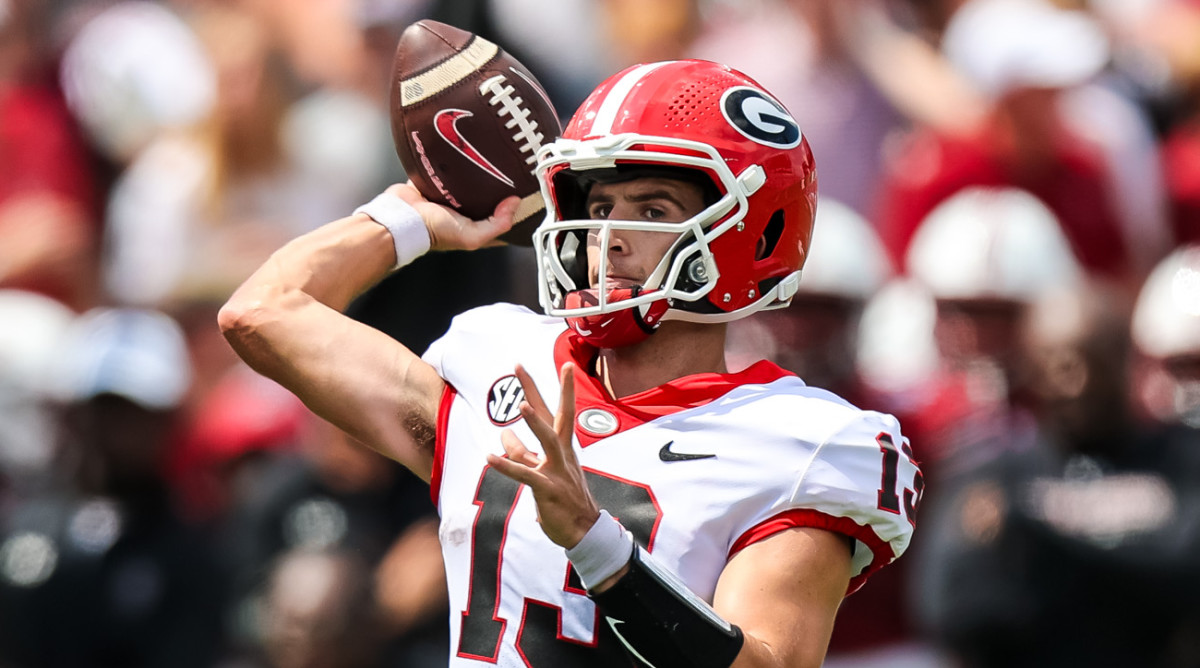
638, 198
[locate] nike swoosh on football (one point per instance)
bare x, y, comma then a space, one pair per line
668, 455
446, 124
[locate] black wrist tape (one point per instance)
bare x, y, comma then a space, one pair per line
662, 623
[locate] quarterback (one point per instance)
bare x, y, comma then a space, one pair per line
609, 493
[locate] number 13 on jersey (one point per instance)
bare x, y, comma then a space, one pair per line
890, 489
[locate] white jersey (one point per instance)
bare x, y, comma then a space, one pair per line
696, 470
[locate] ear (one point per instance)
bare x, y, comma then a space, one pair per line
760, 248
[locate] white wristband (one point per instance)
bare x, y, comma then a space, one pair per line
407, 227
604, 550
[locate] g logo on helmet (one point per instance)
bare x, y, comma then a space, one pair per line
760, 118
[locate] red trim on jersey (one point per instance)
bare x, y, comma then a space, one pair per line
439, 442
666, 399
558, 633
495, 655
806, 517
567, 587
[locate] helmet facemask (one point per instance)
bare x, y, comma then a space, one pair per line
677, 287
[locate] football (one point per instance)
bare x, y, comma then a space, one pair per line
467, 121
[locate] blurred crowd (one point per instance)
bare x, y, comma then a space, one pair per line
1006, 256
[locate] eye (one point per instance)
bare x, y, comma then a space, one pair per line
599, 211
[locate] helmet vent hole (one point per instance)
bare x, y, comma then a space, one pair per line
688, 106
770, 237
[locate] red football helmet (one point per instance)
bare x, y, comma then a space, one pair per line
685, 119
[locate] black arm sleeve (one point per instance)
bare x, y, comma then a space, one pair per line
662, 624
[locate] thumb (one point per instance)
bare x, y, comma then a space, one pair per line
502, 217
500, 221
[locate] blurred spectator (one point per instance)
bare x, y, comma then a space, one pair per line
96, 567
203, 203
132, 70
1040, 134
334, 494
561, 47
199, 204
1083, 548
1181, 154
31, 329
48, 195
1154, 54
319, 612
1166, 331
644, 31
815, 337
1173, 30
226, 437
980, 258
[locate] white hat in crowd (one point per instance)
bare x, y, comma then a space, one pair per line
137, 354
1000, 45
132, 71
1166, 317
31, 330
991, 243
846, 257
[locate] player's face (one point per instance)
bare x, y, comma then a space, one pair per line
633, 254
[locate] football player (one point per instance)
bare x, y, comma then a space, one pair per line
609, 493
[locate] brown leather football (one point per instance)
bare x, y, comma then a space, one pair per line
467, 121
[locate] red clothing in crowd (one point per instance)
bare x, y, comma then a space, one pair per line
1181, 154
40, 147
1071, 181
47, 179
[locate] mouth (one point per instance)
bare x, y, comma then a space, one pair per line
616, 282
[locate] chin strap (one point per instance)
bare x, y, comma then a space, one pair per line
618, 328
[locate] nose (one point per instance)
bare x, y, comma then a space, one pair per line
618, 241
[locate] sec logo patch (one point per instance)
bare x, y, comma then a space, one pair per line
504, 401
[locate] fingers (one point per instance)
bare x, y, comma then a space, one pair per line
555, 433
407, 192
518, 472
532, 395
564, 422
520, 464
545, 433
517, 451
473, 234
502, 218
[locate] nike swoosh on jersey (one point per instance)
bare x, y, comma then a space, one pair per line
446, 124
668, 455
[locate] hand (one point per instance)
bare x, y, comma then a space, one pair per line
566, 509
450, 230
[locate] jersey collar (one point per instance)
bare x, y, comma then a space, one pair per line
666, 399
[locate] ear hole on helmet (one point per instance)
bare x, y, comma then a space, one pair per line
770, 237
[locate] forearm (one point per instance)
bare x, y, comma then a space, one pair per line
332, 264
282, 317
285, 322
